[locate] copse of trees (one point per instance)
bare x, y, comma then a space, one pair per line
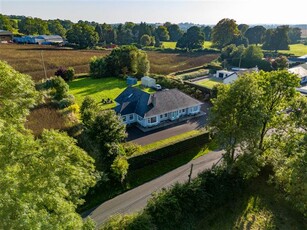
276, 39
122, 61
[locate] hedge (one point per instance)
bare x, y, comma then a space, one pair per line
167, 151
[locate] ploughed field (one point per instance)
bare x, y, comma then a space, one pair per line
29, 59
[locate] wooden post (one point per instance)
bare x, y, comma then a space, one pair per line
190, 175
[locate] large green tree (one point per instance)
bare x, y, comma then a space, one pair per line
277, 39
82, 35
175, 32
55, 27
162, 33
224, 33
294, 35
255, 34
42, 180
193, 39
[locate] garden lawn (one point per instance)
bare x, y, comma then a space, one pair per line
98, 89
209, 82
296, 49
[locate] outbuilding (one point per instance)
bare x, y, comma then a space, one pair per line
148, 82
5, 36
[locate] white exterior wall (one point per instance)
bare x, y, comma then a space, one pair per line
230, 79
129, 118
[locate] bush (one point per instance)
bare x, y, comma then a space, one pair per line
61, 88
67, 74
66, 102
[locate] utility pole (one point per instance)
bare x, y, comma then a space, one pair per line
44, 65
190, 175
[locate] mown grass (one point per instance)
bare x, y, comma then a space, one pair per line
168, 141
296, 49
209, 82
260, 207
99, 89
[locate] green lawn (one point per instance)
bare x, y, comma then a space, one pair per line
99, 89
296, 49
209, 82
172, 45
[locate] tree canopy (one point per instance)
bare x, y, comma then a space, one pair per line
276, 39
224, 33
82, 35
42, 180
193, 39
122, 61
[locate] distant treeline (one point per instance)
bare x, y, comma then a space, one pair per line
189, 36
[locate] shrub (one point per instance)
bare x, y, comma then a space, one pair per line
67, 74
66, 102
61, 88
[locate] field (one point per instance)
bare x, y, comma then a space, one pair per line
172, 45
296, 49
28, 59
99, 89
209, 82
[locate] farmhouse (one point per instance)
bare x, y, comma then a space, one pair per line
5, 36
148, 110
301, 72
230, 76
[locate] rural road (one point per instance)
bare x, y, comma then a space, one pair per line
136, 199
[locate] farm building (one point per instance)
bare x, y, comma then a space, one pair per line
148, 82
48, 39
5, 36
40, 39
131, 81
148, 110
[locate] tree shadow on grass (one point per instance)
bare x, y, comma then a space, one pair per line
259, 207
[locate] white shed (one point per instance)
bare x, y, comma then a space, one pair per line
148, 81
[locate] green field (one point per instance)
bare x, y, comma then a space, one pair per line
209, 82
172, 45
99, 89
296, 49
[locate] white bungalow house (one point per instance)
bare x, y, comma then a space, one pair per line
148, 110
230, 76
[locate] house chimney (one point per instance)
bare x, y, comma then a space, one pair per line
153, 100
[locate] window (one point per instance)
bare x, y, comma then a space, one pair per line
124, 118
161, 116
183, 110
195, 108
153, 119
165, 115
131, 117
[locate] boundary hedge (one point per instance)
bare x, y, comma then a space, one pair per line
167, 151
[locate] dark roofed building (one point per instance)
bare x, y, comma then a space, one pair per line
137, 106
5, 36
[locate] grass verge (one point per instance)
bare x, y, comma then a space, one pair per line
168, 141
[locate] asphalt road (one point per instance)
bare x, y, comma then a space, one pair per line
136, 199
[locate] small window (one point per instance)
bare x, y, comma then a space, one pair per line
124, 118
195, 108
161, 116
153, 119
131, 117
165, 115
183, 110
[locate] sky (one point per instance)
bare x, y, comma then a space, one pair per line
207, 12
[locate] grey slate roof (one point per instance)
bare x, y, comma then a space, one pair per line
134, 100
